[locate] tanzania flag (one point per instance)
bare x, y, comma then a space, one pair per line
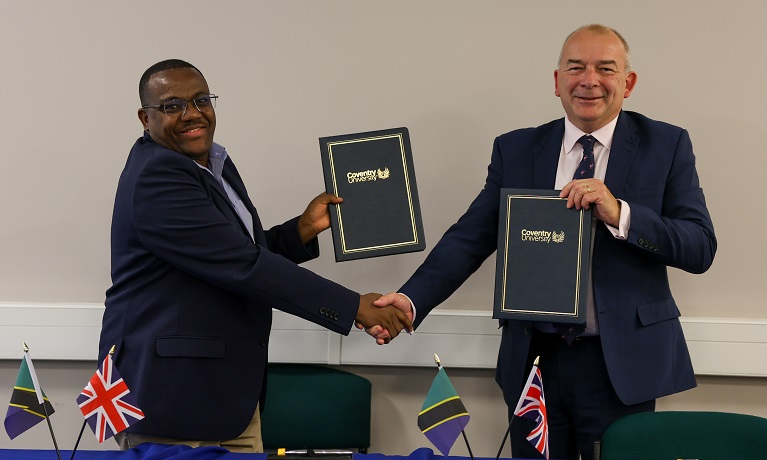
26, 407
443, 416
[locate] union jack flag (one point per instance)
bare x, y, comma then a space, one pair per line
106, 402
532, 405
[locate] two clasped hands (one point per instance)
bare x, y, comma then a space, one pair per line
385, 316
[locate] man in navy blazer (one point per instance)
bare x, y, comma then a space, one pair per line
650, 214
195, 276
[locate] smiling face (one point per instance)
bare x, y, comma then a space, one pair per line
592, 79
190, 133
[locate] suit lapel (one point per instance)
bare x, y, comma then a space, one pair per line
223, 197
622, 155
546, 156
232, 177
218, 188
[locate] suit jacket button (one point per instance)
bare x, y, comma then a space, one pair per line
264, 342
335, 316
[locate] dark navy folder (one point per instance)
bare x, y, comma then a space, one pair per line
373, 172
543, 258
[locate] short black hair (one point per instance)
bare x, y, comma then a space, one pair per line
161, 66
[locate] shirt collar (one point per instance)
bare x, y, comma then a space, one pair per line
216, 158
604, 134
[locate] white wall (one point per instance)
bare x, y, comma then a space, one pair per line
456, 73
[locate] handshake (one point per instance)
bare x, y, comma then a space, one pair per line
383, 317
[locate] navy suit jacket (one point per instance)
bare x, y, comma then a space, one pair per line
651, 167
190, 307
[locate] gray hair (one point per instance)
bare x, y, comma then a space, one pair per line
599, 29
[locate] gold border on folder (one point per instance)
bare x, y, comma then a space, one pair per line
344, 248
506, 260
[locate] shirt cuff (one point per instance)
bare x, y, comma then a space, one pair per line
622, 232
412, 305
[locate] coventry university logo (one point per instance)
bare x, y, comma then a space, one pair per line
542, 236
368, 175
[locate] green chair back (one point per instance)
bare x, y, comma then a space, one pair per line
685, 435
315, 407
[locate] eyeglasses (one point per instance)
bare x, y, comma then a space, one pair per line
204, 103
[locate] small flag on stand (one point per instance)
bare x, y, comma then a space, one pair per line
26, 407
443, 416
106, 402
532, 405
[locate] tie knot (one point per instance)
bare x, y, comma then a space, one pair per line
587, 142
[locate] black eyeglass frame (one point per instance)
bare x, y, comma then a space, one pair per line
182, 111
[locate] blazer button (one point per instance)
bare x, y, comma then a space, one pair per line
335, 316
264, 342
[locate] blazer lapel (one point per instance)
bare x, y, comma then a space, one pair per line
232, 177
546, 156
215, 185
622, 155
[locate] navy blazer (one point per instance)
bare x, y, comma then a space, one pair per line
190, 307
651, 167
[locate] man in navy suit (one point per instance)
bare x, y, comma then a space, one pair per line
195, 276
650, 214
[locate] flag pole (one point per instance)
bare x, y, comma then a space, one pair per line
465, 439
511, 419
50, 428
82, 428
505, 436
77, 443
41, 400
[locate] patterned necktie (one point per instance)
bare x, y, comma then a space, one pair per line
585, 170
586, 167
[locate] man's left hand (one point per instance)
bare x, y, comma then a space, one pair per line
583, 193
316, 217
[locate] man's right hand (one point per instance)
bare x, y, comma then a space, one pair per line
379, 333
389, 317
